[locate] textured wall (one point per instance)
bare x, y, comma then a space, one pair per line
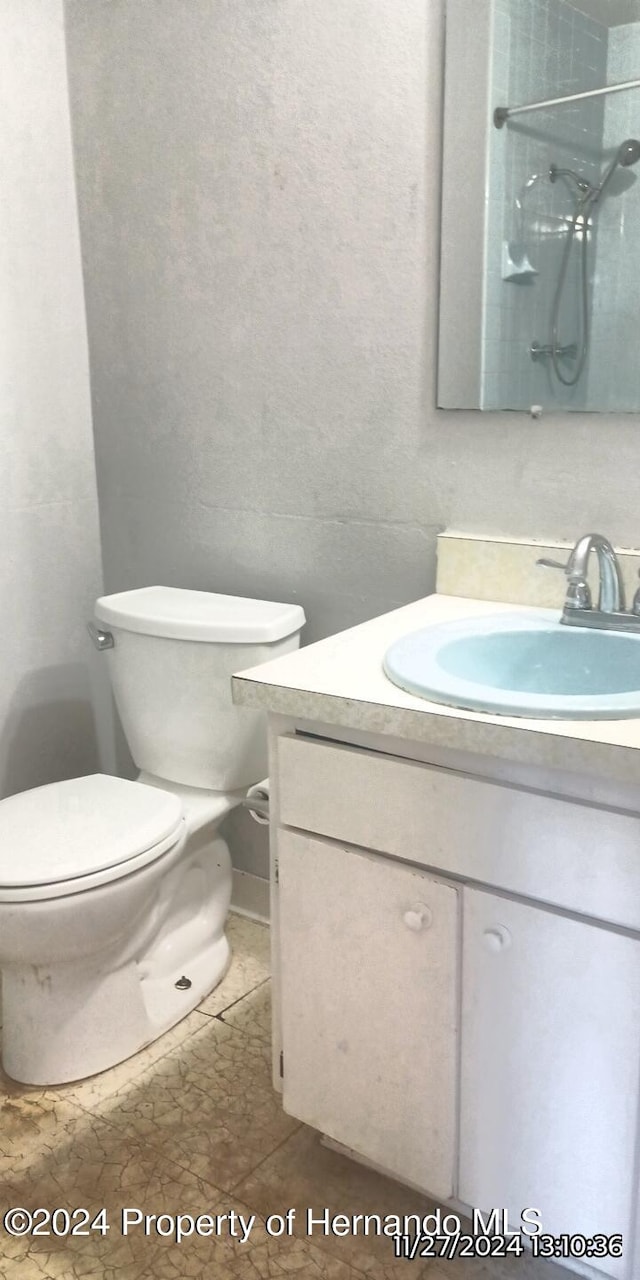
251, 194
50, 560
259, 187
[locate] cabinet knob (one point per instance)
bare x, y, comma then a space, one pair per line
497, 938
418, 917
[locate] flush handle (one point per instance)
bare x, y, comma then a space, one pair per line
101, 639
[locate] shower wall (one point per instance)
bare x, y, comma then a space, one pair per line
613, 372
542, 48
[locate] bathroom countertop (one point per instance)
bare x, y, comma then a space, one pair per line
339, 681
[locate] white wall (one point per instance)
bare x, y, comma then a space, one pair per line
50, 556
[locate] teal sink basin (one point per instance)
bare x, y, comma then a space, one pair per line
520, 664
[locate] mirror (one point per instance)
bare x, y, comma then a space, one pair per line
540, 269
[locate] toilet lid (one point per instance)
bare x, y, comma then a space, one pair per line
70, 829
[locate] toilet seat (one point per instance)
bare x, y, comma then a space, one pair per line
70, 836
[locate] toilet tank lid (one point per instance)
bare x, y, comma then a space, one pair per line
75, 828
178, 614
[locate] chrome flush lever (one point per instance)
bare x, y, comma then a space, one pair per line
101, 639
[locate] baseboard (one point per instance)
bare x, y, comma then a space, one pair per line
250, 896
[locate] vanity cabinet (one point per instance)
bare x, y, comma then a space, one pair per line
369, 1005
457, 969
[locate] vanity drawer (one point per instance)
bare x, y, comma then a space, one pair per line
568, 854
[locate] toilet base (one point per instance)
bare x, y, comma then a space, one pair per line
70, 1012
80, 1023
167, 1003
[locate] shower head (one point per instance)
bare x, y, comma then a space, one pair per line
628, 153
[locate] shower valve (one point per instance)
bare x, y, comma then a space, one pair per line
540, 351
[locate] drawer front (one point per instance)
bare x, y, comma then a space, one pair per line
569, 855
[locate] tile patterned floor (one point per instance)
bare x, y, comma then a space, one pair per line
192, 1126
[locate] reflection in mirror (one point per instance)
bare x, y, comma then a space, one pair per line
540, 298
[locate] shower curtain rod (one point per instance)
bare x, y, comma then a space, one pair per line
502, 114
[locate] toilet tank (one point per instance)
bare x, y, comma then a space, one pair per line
171, 664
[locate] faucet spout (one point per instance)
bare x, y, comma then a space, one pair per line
611, 591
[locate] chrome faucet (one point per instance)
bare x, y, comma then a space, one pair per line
578, 609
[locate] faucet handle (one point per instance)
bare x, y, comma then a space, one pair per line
635, 607
578, 591
552, 564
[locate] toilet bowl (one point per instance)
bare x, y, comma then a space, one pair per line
114, 893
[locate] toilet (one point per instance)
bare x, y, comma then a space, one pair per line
114, 894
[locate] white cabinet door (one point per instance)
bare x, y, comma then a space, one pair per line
369, 996
550, 1065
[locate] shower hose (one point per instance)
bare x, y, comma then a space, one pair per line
578, 225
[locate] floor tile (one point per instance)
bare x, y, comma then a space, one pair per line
209, 1105
302, 1174
252, 1014
250, 963
29, 1124
95, 1165
269, 1259
497, 1269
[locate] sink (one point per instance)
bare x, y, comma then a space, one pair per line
521, 664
